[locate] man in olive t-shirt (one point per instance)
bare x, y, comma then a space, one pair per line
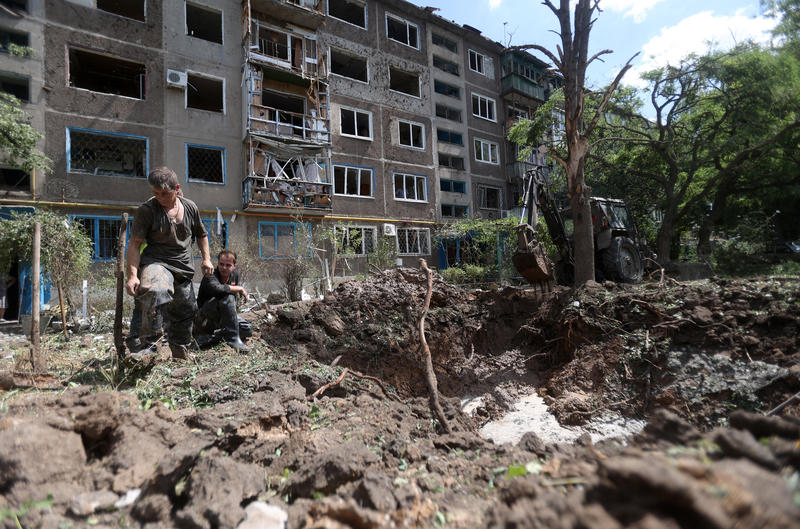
161, 277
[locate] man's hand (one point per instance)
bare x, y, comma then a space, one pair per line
207, 267
239, 290
132, 285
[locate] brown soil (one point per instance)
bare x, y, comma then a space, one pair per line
201, 441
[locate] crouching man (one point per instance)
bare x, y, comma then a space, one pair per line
217, 319
161, 277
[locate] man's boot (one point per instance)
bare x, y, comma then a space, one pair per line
230, 325
181, 352
233, 340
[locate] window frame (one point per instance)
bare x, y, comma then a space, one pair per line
442, 155
355, 111
205, 76
450, 134
345, 52
482, 195
419, 82
95, 236
416, 177
406, 231
443, 42
447, 204
359, 169
496, 145
449, 113
491, 104
205, 7
448, 182
364, 228
143, 84
294, 225
407, 23
209, 225
411, 125
480, 65
366, 13
68, 151
209, 147
447, 85
445, 64
142, 20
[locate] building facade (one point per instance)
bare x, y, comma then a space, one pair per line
376, 120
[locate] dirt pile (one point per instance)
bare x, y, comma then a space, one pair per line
229, 437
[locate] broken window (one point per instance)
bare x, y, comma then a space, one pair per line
14, 179
477, 62
410, 187
127, 8
486, 151
357, 123
443, 111
402, 81
103, 73
454, 210
483, 107
104, 234
411, 134
355, 240
203, 23
217, 233
352, 181
349, 11
413, 241
453, 186
205, 93
453, 162
449, 136
489, 197
446, 89
286, 111
444, 42
445, 65
402, 31
10, 39
106, 153
278, 239
16, 85
274, 44
349, 65
205, 164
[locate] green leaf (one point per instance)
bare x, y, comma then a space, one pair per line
515, 471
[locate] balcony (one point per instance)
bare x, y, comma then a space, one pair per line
277, 123
304, 13
522, 85
280, 193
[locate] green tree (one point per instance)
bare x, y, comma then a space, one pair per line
18, 138
66, 249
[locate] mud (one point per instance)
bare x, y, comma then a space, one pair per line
230, 439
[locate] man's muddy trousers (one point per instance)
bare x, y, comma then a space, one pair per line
158, 288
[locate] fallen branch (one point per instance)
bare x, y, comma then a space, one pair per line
346, 371
785, 403
430, 376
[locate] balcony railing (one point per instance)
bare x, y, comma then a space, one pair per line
517, 83
271, 121
262, 191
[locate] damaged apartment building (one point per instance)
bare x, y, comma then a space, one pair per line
379, 119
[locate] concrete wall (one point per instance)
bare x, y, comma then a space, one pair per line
188, 125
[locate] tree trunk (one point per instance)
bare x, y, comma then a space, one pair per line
664, 240
63, 311
710, 221
583, 238
37, 359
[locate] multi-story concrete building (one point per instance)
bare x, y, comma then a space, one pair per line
375, 118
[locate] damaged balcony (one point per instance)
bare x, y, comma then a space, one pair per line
290, 49
305, 13
286, 116
282, 176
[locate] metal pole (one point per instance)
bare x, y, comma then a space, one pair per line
119, 344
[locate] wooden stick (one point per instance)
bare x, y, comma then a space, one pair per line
63, 311
430, 376
119, 343
37, 360
785, 403
347, 371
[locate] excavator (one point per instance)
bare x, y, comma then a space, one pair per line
620, 252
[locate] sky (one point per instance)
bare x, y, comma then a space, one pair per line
663, 31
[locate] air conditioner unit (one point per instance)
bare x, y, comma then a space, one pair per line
389, 230
176, 79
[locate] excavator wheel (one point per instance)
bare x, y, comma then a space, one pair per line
622, 261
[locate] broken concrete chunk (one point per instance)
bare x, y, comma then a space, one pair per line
331, 322
260, 515
91, 502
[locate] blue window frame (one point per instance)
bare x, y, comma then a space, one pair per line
455, 210
278, 240
215, 242
107, 153
104, 233
453, 186
205, 164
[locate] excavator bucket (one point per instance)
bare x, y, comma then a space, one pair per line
530, 258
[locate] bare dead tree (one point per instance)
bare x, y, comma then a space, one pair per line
571, 62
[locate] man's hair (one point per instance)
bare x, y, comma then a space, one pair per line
163, 178
230, 253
